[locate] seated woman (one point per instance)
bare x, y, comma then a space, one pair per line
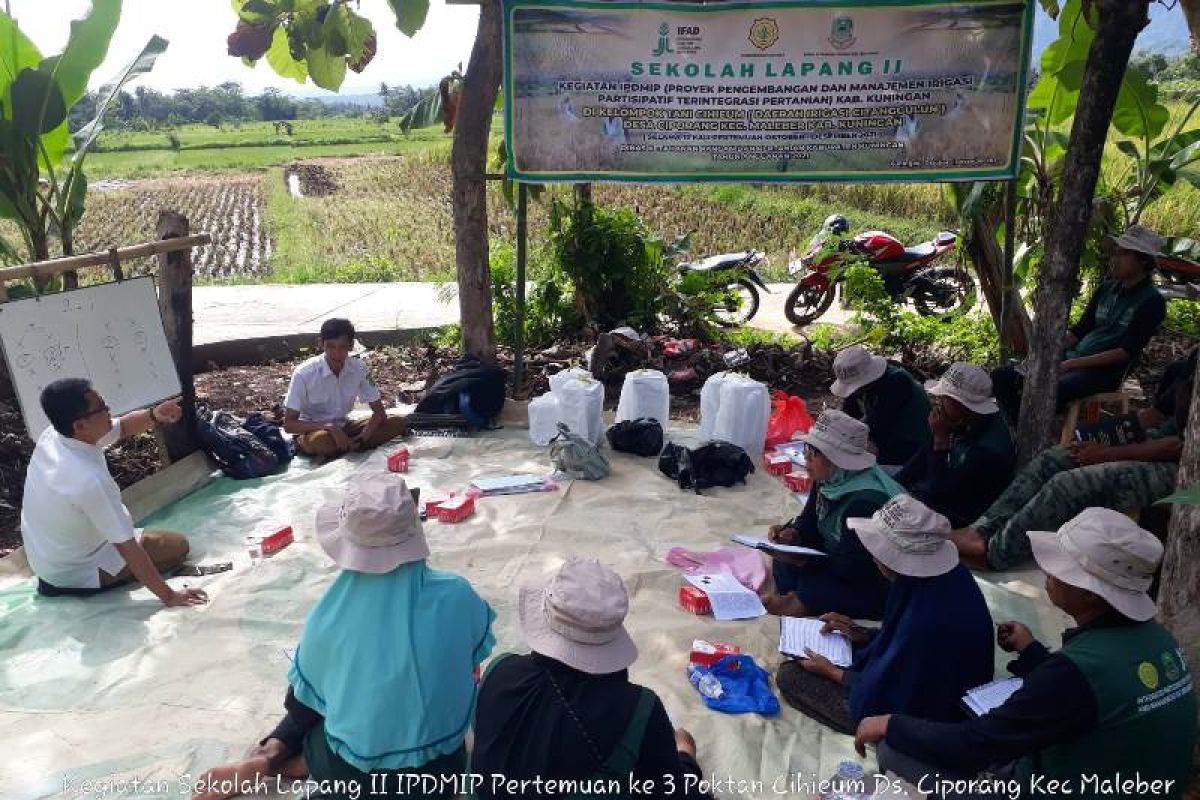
383, 680
935, 642
847, 483
568, 711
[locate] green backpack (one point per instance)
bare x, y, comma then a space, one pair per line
576, 457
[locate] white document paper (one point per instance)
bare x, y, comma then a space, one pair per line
509, 484
983, 699
798, 633
729, 599
759, 543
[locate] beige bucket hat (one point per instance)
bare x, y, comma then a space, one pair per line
969, 385
375, 528
854, 368
1140, 239
578, 618
1106, 553
908, 537
842, 439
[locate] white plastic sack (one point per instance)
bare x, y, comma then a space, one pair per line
573, 374
710, 403
581, 403
544, 416
743, 414
645, 393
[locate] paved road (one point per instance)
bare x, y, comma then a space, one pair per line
229, 313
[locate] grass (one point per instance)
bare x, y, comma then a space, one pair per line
254, 134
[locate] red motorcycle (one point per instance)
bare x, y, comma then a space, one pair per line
910, 274
1180, 278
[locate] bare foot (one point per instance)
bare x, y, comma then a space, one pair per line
784, 605
685, 742
972, 547
228, 780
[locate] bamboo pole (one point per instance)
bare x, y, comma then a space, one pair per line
56, 266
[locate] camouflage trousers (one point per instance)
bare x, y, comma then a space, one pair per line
1051, 490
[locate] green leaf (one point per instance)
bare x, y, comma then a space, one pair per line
1130, 149
143, 63
71, 204
410, 15
1138, 112
358, 30
1186, 497
16, 53
326, 70
335, 32
86, 49
256, 11
1186, 155
1051, 8
1190, 175
280, 58
424, 114
37, 104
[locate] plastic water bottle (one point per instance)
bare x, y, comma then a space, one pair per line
254, 549
705, 682
848, 783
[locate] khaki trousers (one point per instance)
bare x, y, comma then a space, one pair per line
167, 549
321, 444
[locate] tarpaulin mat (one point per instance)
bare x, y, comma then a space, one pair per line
116, 696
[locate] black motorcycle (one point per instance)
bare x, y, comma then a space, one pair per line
735, 276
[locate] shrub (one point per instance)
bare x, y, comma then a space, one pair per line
1183, 316
549, 309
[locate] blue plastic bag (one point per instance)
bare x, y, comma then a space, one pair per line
745, 686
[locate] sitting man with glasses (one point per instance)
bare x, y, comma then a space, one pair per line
79, 537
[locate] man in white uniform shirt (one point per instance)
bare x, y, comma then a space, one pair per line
323, 391
79, 537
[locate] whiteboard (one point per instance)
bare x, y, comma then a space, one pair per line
111, 334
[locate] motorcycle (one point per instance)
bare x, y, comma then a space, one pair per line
1179, 278
910, 274
735, 276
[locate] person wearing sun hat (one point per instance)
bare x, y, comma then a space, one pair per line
568, 711
1115, 702
382, 682
888, 399
846, 483
1122, 316
971, 458
934, 643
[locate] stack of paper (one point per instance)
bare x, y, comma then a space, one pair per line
796, 634
510, 484
983, 699
793, 450
759, 543
729, 599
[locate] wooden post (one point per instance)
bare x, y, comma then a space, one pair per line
175, 306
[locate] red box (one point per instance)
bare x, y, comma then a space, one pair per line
777, 463
456, 509
398, 461
798, 481
708, 653
434, 501
694, 600
277, 541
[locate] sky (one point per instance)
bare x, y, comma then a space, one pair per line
197, 29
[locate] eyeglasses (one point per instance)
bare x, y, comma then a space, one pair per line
104, 409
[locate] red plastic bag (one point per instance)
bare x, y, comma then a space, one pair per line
789, 416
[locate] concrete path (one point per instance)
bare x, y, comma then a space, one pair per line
232, 313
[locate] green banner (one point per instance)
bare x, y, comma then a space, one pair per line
811, 90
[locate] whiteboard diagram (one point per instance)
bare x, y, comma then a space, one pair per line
111, 334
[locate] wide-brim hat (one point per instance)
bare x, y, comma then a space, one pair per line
1139, 239
908, 538
968, 385
578, 618
1106, 553
854, 368
841, 439
374, 529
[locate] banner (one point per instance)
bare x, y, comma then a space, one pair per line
810, 90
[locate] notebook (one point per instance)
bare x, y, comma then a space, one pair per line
983, 699
510, 484
759, 543
798, 633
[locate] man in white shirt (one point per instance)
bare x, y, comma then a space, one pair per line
323, 391
79, 537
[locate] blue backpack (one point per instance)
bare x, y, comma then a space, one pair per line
237, 451
269, 434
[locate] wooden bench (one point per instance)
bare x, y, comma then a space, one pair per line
1088, 408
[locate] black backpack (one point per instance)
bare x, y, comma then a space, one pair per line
712, 464
642, 437
481, 385
269, 434
237, 451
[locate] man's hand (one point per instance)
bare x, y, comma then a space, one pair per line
1087, 453
684, 742
1066, 366
820, 665
871, 730
782, 534
188, 597
167, 411
1013, 637
840, 623
340, 438
373, 425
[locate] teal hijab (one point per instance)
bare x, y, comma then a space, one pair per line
388, 660
834, 496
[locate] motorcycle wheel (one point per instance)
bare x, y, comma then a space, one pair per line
946, 290
738, 306
807, 303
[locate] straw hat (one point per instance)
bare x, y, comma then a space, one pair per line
1140, 239
969, 385
578, 618
841, 438
908, 537
375, 528
854, 368
1106, 553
